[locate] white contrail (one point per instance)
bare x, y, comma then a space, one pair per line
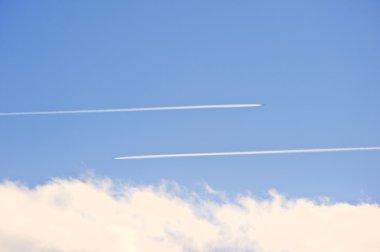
223, 106
249, 153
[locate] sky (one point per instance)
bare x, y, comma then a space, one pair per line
313, 64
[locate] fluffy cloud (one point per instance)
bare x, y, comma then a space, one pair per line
96, 215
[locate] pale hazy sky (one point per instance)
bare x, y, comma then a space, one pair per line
313, 63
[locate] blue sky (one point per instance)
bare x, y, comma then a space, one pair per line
314, 64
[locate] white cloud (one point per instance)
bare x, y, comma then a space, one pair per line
76, 215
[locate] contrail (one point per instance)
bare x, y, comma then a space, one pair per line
223, 106
207, 154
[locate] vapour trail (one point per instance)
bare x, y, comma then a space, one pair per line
223, 106
249, 153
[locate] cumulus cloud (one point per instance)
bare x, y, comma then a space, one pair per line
95, 215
